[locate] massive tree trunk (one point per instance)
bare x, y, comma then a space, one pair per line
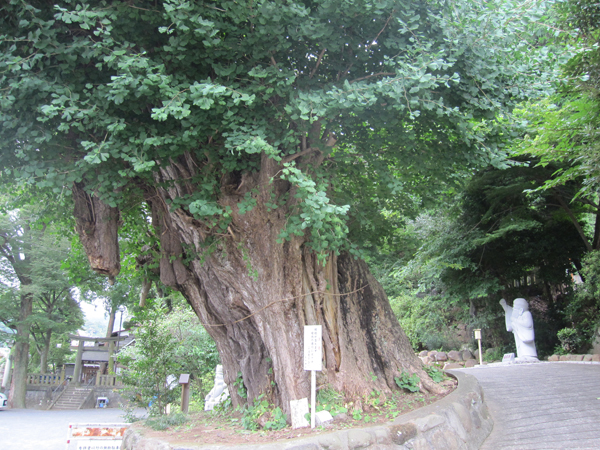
255, 295
18, 385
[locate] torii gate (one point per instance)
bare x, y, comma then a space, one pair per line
78, 360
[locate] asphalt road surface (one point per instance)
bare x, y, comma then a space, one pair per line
30, 429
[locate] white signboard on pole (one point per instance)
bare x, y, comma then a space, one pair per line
313, 347
313, 361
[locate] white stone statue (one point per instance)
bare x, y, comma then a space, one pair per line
218, 393
520, 322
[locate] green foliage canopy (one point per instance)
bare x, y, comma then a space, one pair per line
496, 233
31, 255
107, 92
563, 129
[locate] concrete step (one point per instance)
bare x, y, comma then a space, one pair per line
68, 401
72, 398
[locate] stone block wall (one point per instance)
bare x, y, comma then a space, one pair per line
459, 421
39, 397
114, 399
449, 360
575, 358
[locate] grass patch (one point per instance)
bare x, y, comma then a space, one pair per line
162, 423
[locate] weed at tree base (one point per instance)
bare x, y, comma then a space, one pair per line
408, 382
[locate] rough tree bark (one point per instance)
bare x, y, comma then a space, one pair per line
255, 295
18, 385
97, 226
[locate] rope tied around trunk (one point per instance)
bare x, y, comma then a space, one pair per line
281, 301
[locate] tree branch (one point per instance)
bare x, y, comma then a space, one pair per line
312, 73
596, 238
381, 31
378, 74
298, 155
564, 206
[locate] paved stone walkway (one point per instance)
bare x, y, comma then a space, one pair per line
542, 406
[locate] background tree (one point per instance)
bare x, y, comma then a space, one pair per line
253, 133
53, 314
495, 241
36, 300
167, 343
113, 297
562, 131
54, 308
17, 237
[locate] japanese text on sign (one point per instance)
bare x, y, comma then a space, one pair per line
98, 445
313, 347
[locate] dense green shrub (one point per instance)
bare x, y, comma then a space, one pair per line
584, 311
167, 344
427, 320
570, 340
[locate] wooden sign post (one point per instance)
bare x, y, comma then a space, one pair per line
313, 361
184, 380
477, 334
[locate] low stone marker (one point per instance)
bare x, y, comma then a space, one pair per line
322, 417
298, 410
508, 358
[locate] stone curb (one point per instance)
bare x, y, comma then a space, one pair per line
458, 421
574, 358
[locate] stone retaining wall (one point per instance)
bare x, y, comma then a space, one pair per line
458, 421
449, 360
39, 397
114, 399
584, 358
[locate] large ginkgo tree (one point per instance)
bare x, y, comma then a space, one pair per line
267, 141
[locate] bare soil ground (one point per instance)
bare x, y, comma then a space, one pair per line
224, 427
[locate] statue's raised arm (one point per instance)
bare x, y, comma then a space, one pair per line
507, 314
